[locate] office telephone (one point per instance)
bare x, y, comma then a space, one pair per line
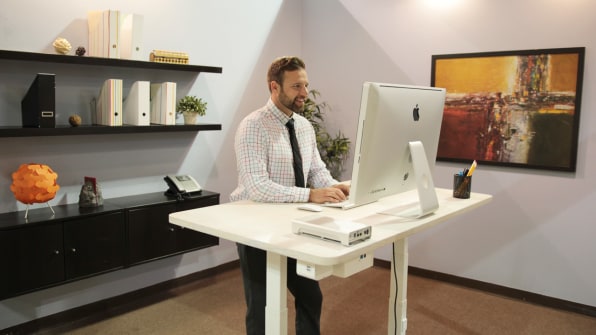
182, 185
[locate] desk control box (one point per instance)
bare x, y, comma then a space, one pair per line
343, 270
327, 228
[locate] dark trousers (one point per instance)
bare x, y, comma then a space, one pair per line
308, 298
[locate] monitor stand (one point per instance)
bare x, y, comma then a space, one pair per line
427, 196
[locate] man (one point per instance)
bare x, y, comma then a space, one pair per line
267, 172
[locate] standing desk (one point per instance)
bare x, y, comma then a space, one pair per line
267, 226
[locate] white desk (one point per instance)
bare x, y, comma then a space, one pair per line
267, 226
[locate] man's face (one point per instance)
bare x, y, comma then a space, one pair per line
293, 92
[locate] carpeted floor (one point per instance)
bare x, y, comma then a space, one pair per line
355, 305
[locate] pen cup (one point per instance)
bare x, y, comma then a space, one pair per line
462, 186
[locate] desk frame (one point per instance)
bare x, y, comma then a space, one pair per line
267, 226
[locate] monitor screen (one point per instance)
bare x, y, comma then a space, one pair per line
396, 124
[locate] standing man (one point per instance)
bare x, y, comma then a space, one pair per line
275, 166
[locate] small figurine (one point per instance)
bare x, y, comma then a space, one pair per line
90, 195
61, 46
80, 51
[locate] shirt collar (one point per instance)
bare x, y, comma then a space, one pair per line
281, 116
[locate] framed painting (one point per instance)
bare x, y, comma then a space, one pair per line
511, 108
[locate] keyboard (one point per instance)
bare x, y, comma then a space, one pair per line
342, 204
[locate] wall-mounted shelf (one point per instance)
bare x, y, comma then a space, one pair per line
85, 60
66, 130
92, 129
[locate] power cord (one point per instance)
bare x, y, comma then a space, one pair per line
396, 290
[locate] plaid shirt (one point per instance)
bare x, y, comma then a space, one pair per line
264, 158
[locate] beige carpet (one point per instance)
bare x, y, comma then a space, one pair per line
355, 305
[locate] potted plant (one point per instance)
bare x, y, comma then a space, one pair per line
334, 150
190, 107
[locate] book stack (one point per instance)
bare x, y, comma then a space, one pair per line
173, 57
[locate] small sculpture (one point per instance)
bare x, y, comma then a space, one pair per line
61, 46
80, 51
90, 195
74, 120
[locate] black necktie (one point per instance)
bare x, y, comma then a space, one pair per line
298, 174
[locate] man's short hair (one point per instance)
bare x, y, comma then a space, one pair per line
280, 66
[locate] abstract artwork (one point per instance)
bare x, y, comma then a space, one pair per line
511, 108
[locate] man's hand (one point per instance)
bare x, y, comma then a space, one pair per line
335, 193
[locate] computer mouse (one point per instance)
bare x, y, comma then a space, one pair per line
310, 207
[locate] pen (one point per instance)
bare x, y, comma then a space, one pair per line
471, 170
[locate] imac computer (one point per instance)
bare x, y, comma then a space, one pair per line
396, 146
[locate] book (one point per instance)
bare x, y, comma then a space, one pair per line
131, 37
104, 33
163, 103
164, 56
108, 111
136, 110
38, 106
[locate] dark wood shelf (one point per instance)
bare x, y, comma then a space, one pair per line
17, 131
98, 61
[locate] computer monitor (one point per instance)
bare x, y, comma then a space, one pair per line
396, 145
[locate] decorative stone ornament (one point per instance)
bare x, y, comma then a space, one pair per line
62, 46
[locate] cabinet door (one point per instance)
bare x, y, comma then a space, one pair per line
30, 258
150, 236
188, 239
94, 244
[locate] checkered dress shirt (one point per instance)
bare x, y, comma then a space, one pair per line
264, 158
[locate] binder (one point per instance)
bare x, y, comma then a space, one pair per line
95, 33
163, 103
131, 37
38, 106
111, 23
136, 110
108, 111
104, 33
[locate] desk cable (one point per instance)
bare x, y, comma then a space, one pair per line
396, 290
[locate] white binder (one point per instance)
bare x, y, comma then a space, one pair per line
163, 103
131, 37
104, 33
136, 110
108, 111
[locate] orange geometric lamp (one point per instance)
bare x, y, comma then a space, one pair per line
34, 183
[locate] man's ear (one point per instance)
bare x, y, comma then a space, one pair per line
273, 86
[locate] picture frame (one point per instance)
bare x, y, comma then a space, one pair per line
511, 108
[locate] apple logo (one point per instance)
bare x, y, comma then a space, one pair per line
416, 113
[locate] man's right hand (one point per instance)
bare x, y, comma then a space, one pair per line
327, 194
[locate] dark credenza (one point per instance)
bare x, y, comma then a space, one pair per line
46, 250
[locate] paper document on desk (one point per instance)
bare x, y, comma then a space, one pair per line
346, 232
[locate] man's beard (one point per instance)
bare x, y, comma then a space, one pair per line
289, 103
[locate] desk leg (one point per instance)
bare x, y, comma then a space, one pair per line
398, 288
276, 312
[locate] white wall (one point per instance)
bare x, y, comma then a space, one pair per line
240, 36
537, 235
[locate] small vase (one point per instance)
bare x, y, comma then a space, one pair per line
190, 117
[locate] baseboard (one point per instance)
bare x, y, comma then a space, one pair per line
120, 304
529, 297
